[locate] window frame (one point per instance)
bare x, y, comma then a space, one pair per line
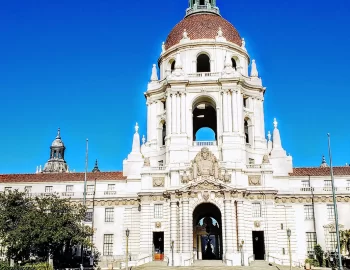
108, 243
256, 210
109, 214
158, 210
308, 212
330, 212
48, 189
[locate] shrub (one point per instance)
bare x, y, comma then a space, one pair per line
319, 254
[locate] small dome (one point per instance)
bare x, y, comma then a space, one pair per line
203, 26
58, 141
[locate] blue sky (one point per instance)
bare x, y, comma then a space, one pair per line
83, 66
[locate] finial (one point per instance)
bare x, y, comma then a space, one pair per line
254, 71
136, 128
37, 169
40, 169
163, 46
96, 169
58, 134
143, 139
178, 63
154, 76
228, 62
219, 32
324, 162
275, 123
269, 136
184, 35
243, 43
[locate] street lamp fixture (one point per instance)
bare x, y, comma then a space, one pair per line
242, 253
172, 252
289, 233
127, 233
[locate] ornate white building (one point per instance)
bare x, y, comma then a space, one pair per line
232, 198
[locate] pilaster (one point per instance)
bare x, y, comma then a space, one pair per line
228, 227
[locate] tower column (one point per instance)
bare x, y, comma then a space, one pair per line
154, 122
148, 121
240, 111
225, 115
183, 113
228, 226
234, 111
229, 113
168, 114
173, 113
173, 227
178, 113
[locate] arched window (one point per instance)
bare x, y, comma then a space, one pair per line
172, 66
246, 131
234, 64
204, 119
203, 63
202, 2
163, 134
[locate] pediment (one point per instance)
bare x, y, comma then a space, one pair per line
331, 226
206, 185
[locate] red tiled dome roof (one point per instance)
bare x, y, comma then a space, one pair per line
203, 26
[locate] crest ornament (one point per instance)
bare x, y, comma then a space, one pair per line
257, 224
205, 166
158, 181
158, 224
254, 180
205, 195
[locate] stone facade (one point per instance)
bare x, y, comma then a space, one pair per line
235, 195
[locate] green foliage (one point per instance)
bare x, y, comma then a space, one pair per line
319, 254
39, 266
312, 262
344, 236
41, 226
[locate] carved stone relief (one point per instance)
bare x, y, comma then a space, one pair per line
205, 166
158, 181
254, 180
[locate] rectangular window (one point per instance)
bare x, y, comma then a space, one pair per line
89, 215
108, 244
330, 211
251, 161
48, 189
305, 183
281, 226
109, 215
327, 185
332, 241
256, 210
308, 212
160, 163
90, 188
311, 242
69, 188
28, 189
8, 188
111, 187
158, 211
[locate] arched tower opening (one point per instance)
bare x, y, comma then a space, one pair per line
207, 232
204, 116
248, 130
234, 63
203, 63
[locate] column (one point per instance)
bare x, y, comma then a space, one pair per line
225, 112
148, 121
154, 120
228, 225
173, 113
173, 223
145, 241
240, 111
261, 120
234, 111
183, 113
178, 113
168, 114
185, 226
218, 125
229, 107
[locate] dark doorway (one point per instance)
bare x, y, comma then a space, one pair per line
203, 63
158, 245
258, 245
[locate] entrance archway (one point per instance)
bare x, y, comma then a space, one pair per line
207, 232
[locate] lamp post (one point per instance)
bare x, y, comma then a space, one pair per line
289, 233
127, 232
172, 252
242, 253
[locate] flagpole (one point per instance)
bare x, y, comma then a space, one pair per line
334, 203
86, 168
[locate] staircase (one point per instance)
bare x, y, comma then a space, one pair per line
207, 265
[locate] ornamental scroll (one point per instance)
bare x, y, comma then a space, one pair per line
205, 166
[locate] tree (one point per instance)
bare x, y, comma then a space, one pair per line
43, 227
344, 236
319, 254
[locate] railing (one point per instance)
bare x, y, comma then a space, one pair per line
253, 166
251, 258
201, 7
314, 190
110, 192
204, 74
204, 143
282, 261
143, 260
159, 168
68, 194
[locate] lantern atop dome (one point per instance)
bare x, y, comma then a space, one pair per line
202, 6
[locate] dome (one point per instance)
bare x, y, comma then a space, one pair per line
57, 143
203, 26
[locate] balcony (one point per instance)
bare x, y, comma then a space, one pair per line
204, 143
201, 76
110, 192
68, 194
